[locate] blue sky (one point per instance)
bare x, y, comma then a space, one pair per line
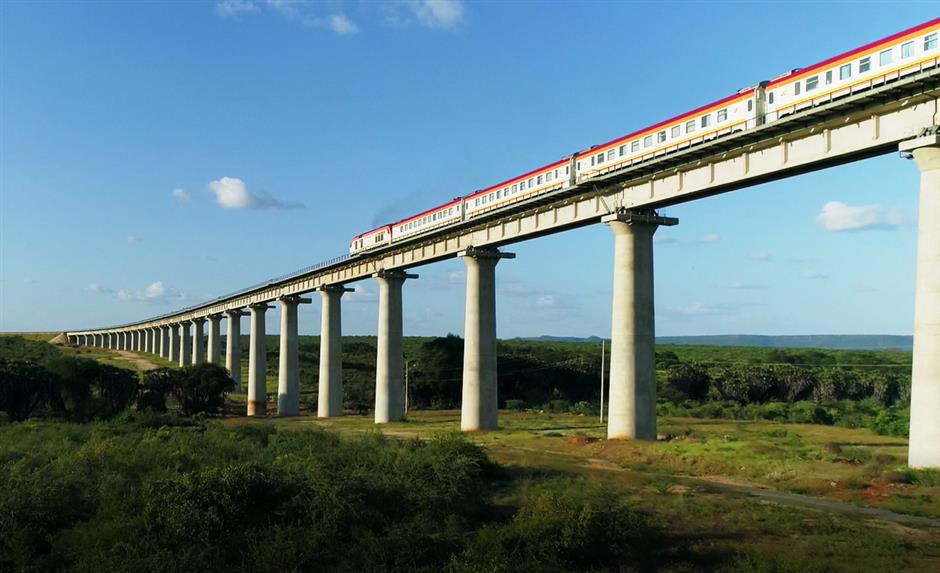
153, 155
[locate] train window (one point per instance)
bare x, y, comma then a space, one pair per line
538, 180
864, 65
796, 88
548, 176
812, 83
647, 141
722, 115
600, 157
930, 41
829, 77
706, 119
568, 169
610, 155
531, 183
635, 146
661, 136
676, 130
845, 72
499, 194
514, 187
884, 58
690, 126
622, 150
770, 97
750, 105
492, 196
556, 174
907, 50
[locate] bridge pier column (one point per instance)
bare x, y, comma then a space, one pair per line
185, 343
215, 341
199, 341
389, 405
108, 341
155, 340
164, 342
479, 400
330, 390
632, 403
174, 354
924, 444
148, 341
257, 363
288, 374
233, 347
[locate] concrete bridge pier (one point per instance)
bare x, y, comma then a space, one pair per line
288, 370
233, 347
924, 444
330, 388
185, 343
155, 336
479, 401
632, 402
257, 363
215, 341
164, 342
199, 341
148, 341
174, 354
389, 403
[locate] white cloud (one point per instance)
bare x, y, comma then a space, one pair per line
436, 13
738, 285
343, 25
156, 293
180, 195
664, 240
814, 275
546, 301
95, 287
363, 293
457, 277
836, 216
133, 239
232, 193
235, 7
760, 256
710, 238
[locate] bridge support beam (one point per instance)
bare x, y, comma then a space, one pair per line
632, 403
164, 342
288, 369
174, 343
330, 390
185, 343
389, 403
215, 341
233, 347
257, 363
924, 445
479, 402
199, 341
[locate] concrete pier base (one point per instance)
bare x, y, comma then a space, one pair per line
257, 363
233, 347
288, 370
389, 402
479, 402
924, 444
199, 341
632, 402
330, 388
185, 343
215, 339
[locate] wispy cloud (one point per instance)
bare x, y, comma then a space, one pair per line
156, 293
362, 294
342, 25
814, 275
836, 216
228, 8
434, 13
180, 195
232, 193
133, 239
710, 238
760, 256
738, 285
665, 239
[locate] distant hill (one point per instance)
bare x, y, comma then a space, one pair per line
831, 341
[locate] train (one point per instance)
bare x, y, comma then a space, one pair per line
871, 65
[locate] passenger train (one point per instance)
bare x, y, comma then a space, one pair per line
869, 66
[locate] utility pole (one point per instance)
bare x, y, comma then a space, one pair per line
603, 353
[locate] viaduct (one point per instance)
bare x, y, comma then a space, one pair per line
878, 119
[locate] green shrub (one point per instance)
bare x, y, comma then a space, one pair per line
516, 405
891, 422
202, 388
24, 387
584, 409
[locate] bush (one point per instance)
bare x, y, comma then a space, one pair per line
557, 406
515, 405
891, 422
202, 388
584, 409
24, 386
156, 386
690, 379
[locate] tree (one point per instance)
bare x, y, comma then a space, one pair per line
24, 386
202, 388
156, 386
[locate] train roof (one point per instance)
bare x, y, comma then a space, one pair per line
431, 210
848, 55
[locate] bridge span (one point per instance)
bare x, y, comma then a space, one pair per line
900, 116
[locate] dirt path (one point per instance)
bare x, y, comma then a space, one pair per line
138, 361
726, 485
